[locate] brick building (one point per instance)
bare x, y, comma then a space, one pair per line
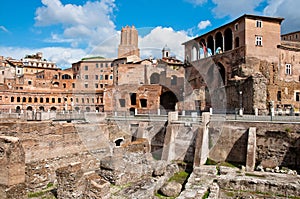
245, 64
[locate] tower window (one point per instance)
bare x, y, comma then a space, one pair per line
258, 23
258, 40
297, 96
288, 69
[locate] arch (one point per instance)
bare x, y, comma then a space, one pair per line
56, 84
18, 109
41, 100
12, 99
53, 108
118, 141
228, 39
222, 72
210, 44
219, 40
66, 76
168, 101
29, 99
77, 109
194, 53
154, 78
24, 99
35, 100
41, 108
88, 109
237, 42
29, 108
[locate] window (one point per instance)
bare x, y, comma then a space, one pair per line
96, 85
173, 80
110, 77
288, 69
53, 100
73, 85
278, 95
12, 99
30, 99
101, 77
64, 85
35, 100
236, 26
82, 100
41, 100
122, 102
86, 77
96, 77
86, 85
76, 100
143, 103
106, 77
86, 67
47, 100
258, 40
97, 65
29, 82
133, 98
24, 99
297, 96
59, 100
258, 23
18, 99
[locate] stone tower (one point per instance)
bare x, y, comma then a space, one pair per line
129, 42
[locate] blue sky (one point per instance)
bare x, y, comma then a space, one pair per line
67, 30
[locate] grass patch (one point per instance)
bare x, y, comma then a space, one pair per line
210, 162
46, 193
179, 177
205, 195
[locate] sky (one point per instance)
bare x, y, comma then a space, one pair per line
67, 30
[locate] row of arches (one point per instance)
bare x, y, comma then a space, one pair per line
53, 109
214, 44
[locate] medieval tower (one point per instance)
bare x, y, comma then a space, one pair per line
129, 42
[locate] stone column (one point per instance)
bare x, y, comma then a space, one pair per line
12, 168
251, 149
202, 144
168, 152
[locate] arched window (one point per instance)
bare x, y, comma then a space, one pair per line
228, 39
154, 78
12, 99
219, 41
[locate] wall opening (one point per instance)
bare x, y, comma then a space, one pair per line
168, 101
143, 103
133, 98
228, 39
219, 40
154, 78
119, 141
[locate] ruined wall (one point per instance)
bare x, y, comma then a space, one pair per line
49, 146
277, 144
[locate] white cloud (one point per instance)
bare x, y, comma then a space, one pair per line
235, 9
153, 43
90, 23
289, 9
64, 57
196, 2
2, 28
204, 24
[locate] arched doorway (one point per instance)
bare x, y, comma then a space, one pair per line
77, 109
168, 101
219, 41
29, 108
41, 108
53, 109
88, 109
210, 44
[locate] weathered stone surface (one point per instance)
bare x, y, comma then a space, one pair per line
159, 167
171, 189
127, 168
